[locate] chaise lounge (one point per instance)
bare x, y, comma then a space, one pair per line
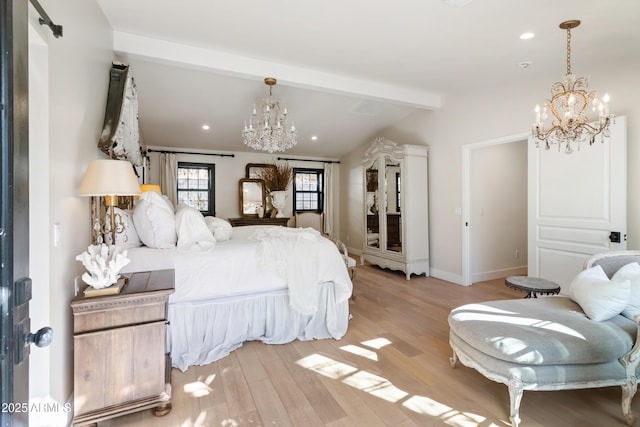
554, 343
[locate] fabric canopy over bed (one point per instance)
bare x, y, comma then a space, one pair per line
272, 284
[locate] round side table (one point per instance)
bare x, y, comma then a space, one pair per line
532, 286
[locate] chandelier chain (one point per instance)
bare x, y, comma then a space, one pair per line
568, 50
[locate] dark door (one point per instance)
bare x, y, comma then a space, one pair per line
15, 285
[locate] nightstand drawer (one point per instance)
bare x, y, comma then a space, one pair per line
96, 315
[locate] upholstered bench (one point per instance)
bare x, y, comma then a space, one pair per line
549, 343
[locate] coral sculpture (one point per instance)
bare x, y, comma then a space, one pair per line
103, 264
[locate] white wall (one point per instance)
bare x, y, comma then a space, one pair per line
482, 115
78, 72
498, 217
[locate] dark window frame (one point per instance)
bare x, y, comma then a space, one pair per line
211, 167
319, 192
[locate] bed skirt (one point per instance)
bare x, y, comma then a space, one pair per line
204, 331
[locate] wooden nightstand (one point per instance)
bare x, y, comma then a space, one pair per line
120, 361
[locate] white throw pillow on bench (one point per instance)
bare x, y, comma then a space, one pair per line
630, 272
599, 297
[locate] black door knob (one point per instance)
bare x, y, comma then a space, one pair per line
42, 338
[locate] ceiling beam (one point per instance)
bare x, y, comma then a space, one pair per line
133, 45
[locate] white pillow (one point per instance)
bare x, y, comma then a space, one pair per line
193, 233
129, 238
600, 298
630, 272
220, 228
154, 221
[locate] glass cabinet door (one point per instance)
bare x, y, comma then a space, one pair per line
372, 204
392, 214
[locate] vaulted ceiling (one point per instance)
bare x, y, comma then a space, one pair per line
345, 69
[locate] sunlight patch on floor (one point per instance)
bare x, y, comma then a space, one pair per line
375, 385
382, 388
359, 351
376, 343
326, 366
197, 389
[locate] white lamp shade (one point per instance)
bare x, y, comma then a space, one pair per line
109, 178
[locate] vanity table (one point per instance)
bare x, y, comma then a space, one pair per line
396, 210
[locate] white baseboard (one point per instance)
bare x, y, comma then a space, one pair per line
445, 275
498, 274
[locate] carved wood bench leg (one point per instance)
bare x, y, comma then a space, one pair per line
162, 410
628, 391
516, 389
453, 359
630, 361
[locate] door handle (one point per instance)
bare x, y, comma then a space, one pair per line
24, 338
42, 338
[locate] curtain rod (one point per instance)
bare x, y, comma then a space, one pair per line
189, 152
45, 20
309, 160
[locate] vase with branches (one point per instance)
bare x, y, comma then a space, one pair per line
277, 179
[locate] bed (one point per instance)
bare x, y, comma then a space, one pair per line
236, 290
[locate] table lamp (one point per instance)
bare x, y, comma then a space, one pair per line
110, 179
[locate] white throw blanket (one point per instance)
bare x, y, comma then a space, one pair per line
292, 253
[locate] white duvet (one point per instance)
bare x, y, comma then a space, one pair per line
231, 268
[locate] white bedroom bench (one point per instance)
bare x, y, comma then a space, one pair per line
550, 343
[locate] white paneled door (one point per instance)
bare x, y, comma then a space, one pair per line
577, 202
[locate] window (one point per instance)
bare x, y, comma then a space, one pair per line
308, 190
196, 186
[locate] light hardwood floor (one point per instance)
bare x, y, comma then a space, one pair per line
391, 369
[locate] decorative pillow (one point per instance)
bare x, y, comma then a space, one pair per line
129, 238
193, 233
600, 298
630, 272
154, 220
220, 228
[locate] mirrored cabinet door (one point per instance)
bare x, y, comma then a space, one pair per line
372, 199
393, 203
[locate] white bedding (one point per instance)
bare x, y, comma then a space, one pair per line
223, 298
231, 268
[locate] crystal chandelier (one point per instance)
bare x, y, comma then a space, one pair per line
570, 125
269, 131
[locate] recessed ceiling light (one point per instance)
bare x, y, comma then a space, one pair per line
314, 138
527, 36
205, 127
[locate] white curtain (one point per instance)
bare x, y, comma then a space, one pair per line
169, 176
329, 202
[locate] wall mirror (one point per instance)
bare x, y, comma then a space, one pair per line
251, 196
254, 170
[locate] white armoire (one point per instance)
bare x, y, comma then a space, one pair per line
396, 209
